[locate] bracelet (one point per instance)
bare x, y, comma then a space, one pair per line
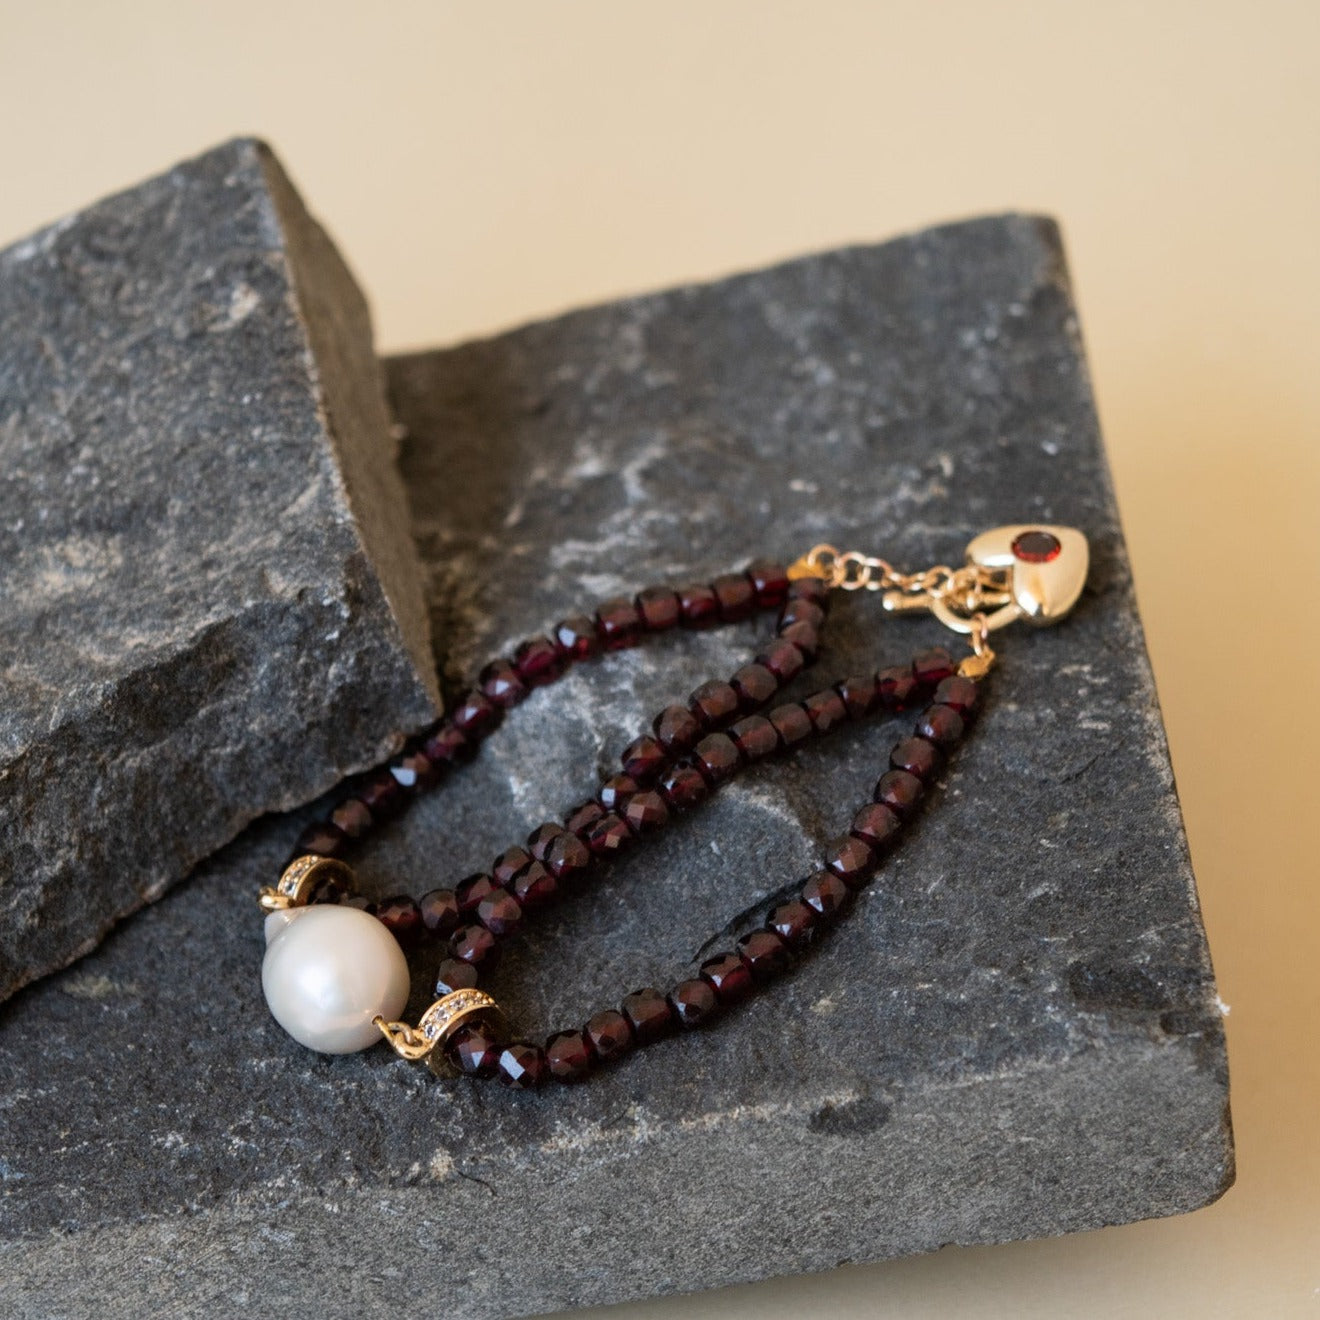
335, 972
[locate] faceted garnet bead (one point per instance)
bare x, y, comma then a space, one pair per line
899, 791
825, 710
794, 922
755, 685
508, 864
792, 723
755, 737
446, 745
765, 954
941, 724
414, 772
918, 756
609, 1034
735, 595
801, 611
540, 839
538, 661
852, 859
958, 692
439, 909
476, 945
877, 824
474, 1049
522, 1066
683, 786
454, 974
895, 687
859, 694
809, 588
769, 581
566, 856
699, 606
716, 756
645, 812
804, 637
615, 791
578, 638
500, 913
618, 624
353, 817
583, 819
659, 609
476, 714
608, 836
402, 917
472, 890
501, 682
322, 838
826, 895
932, 667
382, 796
782, 659
643, 759
714, 704
535, 885
728, 974
677, 729
649, 1014
568, 1056
693, 1001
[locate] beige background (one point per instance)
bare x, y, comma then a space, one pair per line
487, 163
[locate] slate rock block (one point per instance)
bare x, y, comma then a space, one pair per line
209, 601
1015, 1034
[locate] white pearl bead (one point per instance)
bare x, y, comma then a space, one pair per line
328, 971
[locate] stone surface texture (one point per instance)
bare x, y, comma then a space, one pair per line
1015, 1034
210, 604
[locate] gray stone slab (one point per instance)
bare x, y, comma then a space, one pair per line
210, 605
1015, 1034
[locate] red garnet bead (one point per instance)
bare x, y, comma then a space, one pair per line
769, 581
500, 913
825, 710
649, 1014
810, 588
508, 864
853, 860
895, 687
615, 791
735, 595
794, 922
694, 1001
782, 659
500, 681
683, 786
877, 825
1036, 547
577, 638
960, 693
476, 714
609, 1034
755, 685
792, 723
476, 945
535, 886
414, 772
765, 954
538, 661
659, 609
522, 1066
826, 895
382, 796
801, 611
899, 791
941, 724
643, 759
567, 1056
859, 694
618, 624
540, 839
402, 917
323, 838
471, 891
582, 820
474, 1049
804, 637
918, 756
608, 836
699, 606
352, 816
755, 737
717, 757
930, 668
645, 811
677, 729
454, 974
566, 855
439, 909
729, 975
714, 704
446, 745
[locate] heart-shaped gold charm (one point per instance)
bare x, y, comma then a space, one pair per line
1046, 567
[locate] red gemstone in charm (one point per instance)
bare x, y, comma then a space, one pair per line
522, 1066
608, 1034
694, 1001
659, 608
1036, 547
567, 1056
765, 954
649, 1013
729, 975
